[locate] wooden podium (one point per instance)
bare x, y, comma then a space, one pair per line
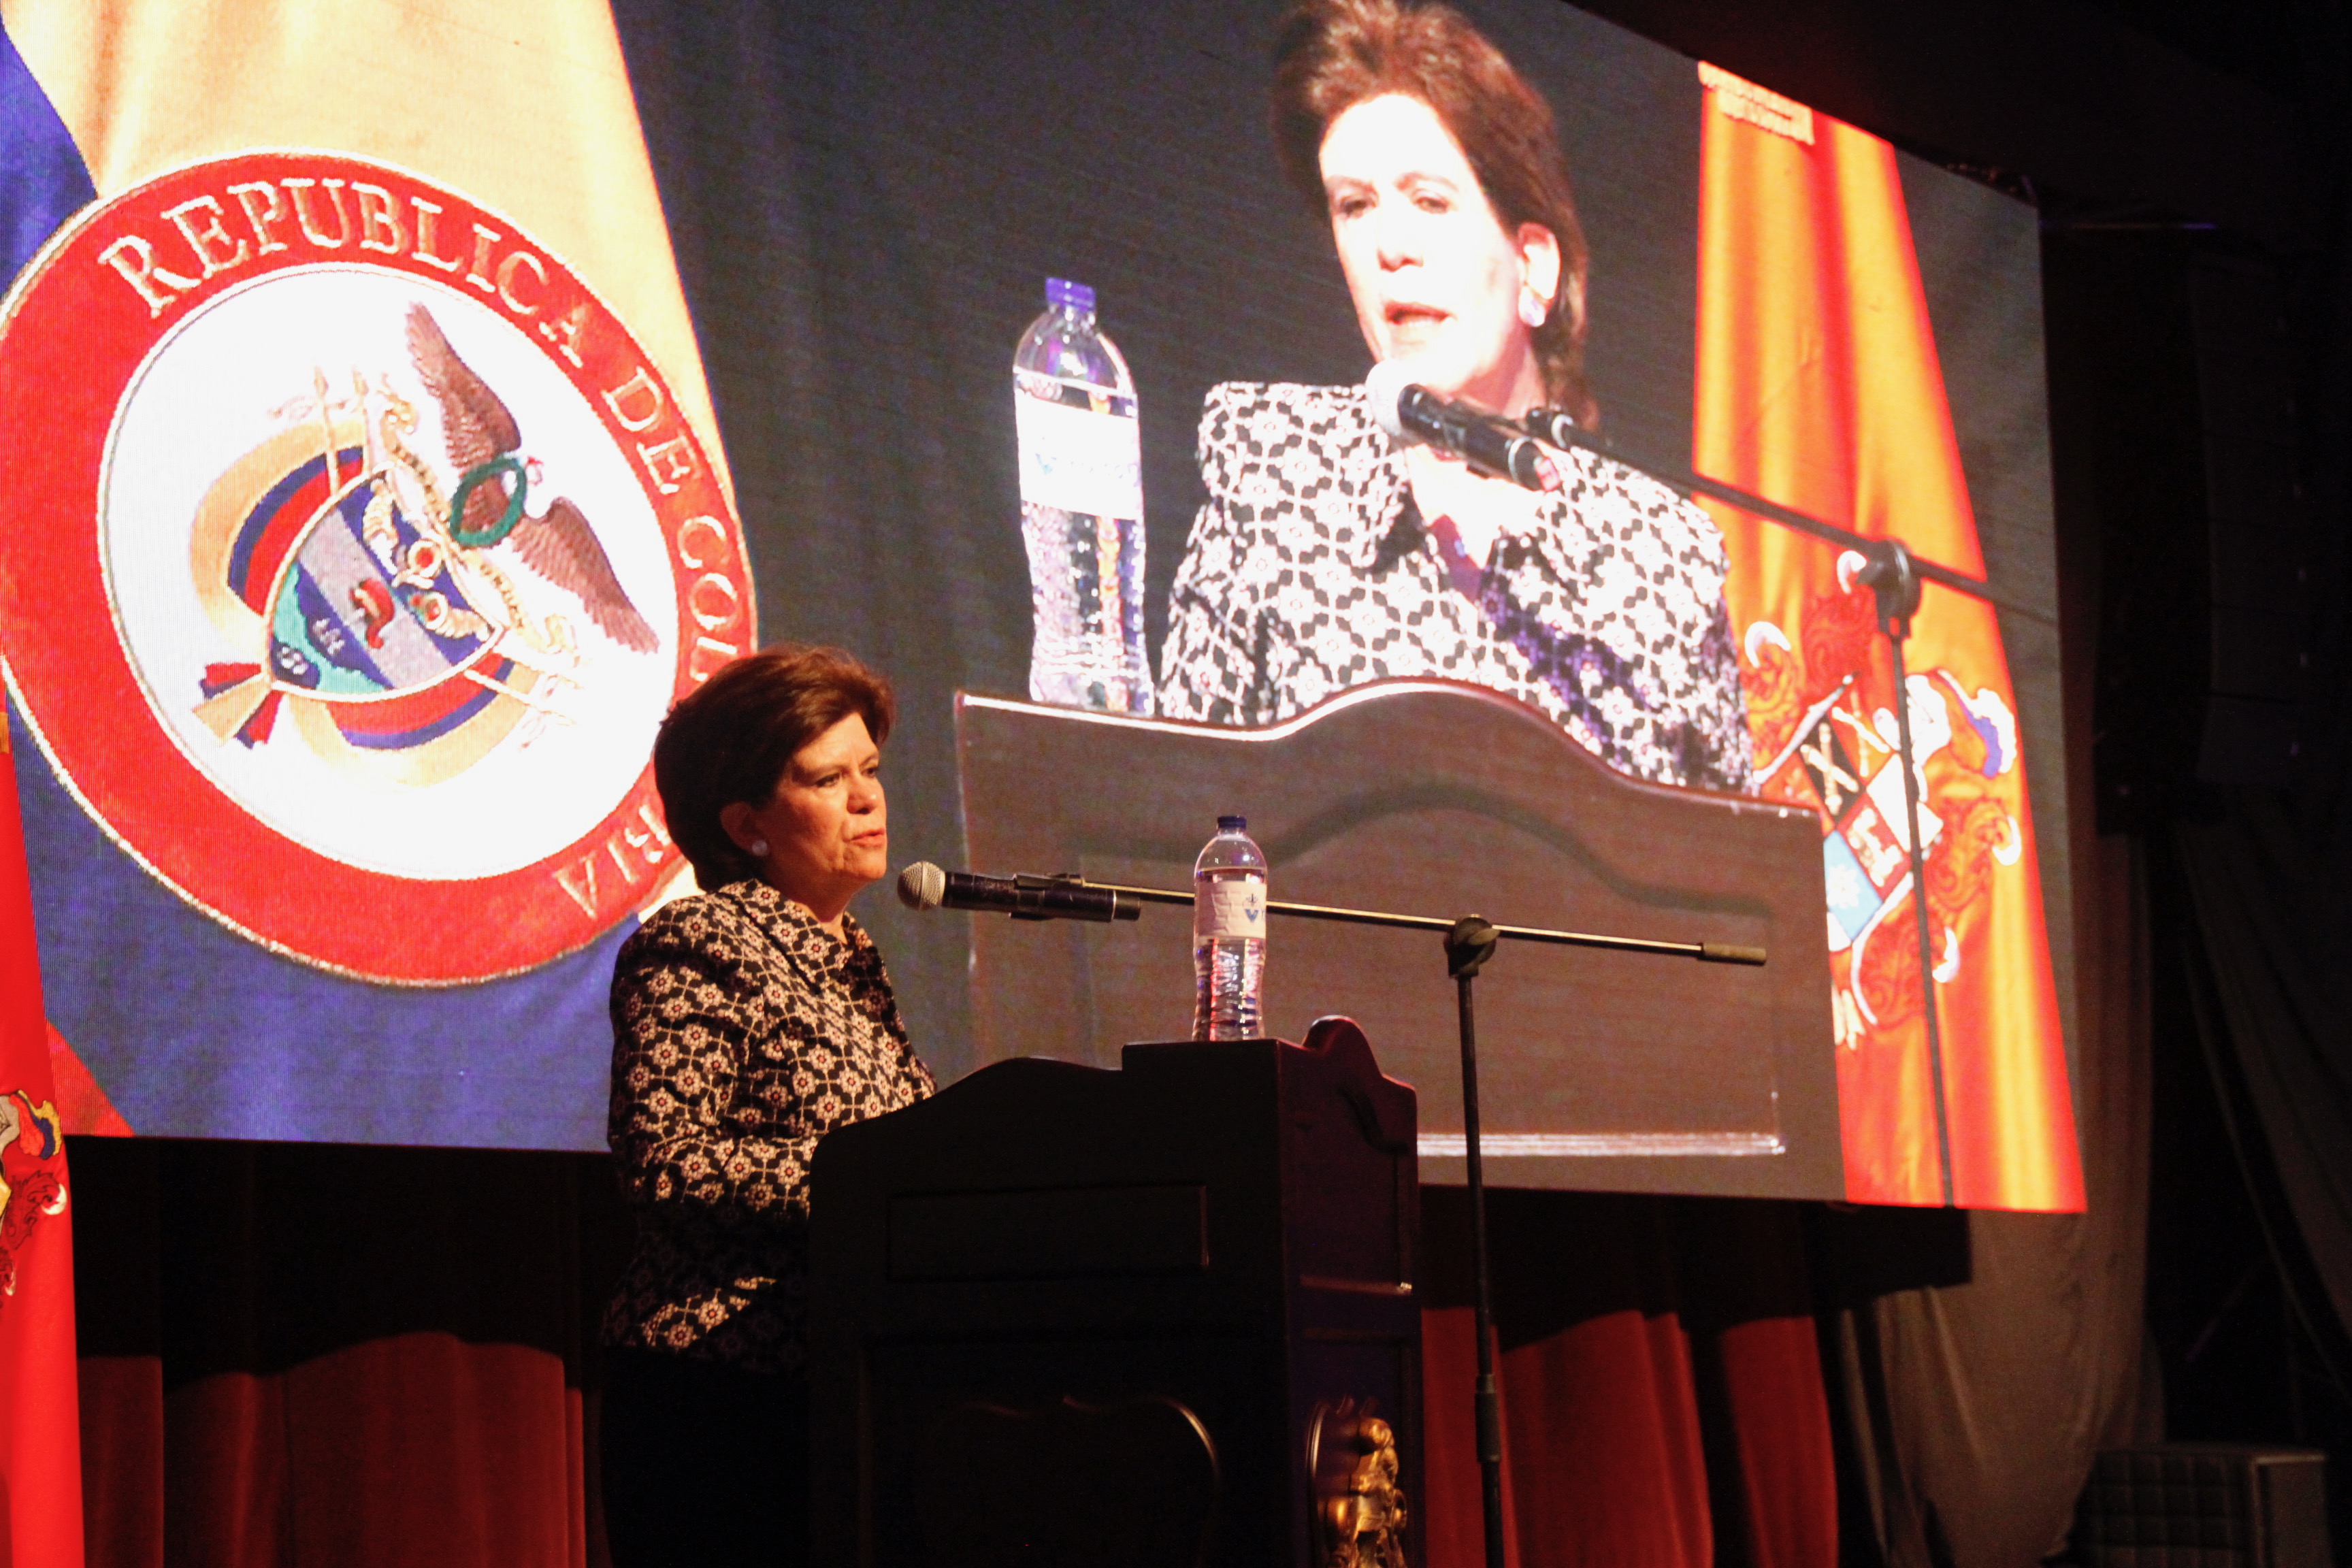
1162, 1317
1605, 1070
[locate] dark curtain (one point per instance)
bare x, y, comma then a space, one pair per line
1980, 1360
306, 1353
2268, 951
2249, 1289
1662, 1387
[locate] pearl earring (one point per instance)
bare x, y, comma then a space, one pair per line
1532, 310
759, 849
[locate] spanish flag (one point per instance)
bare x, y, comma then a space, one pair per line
40, 1424
1818, 387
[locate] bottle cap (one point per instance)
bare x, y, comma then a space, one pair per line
1232, 825
1075, 295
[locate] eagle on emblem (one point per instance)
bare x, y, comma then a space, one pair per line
484, 443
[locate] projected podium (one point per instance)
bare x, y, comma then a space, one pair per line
1603, 1070
1162, 1317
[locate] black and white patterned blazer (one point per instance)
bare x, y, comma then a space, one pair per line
1309, 571
743, 1032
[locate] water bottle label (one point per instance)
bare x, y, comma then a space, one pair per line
1078, 459
1233, 909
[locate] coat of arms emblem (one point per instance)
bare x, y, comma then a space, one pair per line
358, 550
372, 587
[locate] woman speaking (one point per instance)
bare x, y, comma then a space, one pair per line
748, 1022
1327, 555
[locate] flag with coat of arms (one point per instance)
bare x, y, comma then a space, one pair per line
1818, 387
364, 513
40, 1432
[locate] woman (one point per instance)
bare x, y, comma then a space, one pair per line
748, 1022
1327, 555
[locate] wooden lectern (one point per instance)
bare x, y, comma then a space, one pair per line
1162, 1317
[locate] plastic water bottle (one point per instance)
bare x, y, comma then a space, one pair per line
1228, 934
1081, 508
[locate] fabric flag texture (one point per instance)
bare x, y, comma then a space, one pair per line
1818, 387
494, 175
40, 1424
538, 123
409, 214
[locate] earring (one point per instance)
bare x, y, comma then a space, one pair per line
1532, 310
759, 849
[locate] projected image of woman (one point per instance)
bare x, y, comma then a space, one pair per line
748, 1022
1327, 555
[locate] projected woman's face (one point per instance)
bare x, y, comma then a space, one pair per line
1435, 276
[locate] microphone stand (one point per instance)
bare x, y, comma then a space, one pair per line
1894, 576
1470, 941
1468, 946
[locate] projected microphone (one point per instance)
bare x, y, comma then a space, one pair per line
923, 886
1554, 426
1493, 447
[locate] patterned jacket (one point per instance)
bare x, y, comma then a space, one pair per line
1309, 571
743, 1032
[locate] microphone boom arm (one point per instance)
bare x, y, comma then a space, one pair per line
1705, 952
1557, 428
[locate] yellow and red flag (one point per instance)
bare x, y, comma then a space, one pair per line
40, 1426
1818, 387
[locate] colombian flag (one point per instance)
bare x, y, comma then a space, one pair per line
513, 127
494, 152
1818, 387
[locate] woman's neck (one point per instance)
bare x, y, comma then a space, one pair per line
1509, 389
1481, 509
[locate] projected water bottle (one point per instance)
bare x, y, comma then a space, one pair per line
1081, 508
1228, 934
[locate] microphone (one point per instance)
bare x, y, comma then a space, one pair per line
923, 886
1491, 445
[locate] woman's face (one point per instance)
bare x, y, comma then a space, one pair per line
1435, 276
827, 827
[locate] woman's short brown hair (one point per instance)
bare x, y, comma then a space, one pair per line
1331, 55
731, 738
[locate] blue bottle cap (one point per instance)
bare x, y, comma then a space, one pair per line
1232, 825
1075, 295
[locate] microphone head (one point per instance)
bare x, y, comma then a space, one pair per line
1384, 388
923, 885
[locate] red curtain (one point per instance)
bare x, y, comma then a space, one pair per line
299, 1354
415, 1448
296, 1354
1662, 1387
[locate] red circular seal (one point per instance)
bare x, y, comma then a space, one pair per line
356, 552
